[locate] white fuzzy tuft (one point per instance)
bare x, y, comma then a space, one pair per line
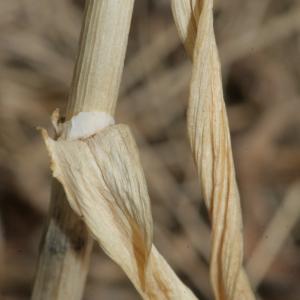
86, 124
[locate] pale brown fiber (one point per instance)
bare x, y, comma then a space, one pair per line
98, 164
105, 186
210, 141
66, 245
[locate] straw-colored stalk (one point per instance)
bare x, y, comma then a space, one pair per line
100, 168
66, 245
105, 186
210, 142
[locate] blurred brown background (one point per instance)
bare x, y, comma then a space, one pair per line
259, 42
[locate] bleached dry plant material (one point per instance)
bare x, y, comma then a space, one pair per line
210, 141
105, 186
285, 218
97, 162
66, 245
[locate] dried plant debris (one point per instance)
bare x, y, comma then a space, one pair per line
258, 43
105, 186
210, 141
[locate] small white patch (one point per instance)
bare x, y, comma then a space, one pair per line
86, 124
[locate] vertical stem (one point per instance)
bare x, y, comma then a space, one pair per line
66, 245
64, 254
99, 67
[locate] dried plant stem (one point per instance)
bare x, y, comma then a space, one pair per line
66, 246
274, 30
105, 185
210, 141
64, 253
145, 60
100, 62
101, 173
275, 235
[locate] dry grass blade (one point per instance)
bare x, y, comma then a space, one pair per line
159, 48
258, 46
105, 185
210, 142
276, 29
98, 168
276, 233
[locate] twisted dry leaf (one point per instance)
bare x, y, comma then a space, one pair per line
105, 185
210, 141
